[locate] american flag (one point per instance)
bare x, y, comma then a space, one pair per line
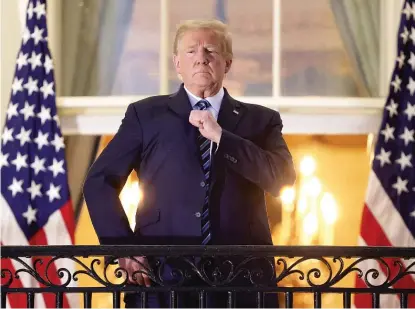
35, 201
389, 210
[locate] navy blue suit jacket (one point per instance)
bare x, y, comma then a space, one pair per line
158, 142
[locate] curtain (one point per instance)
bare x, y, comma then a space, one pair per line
93, 35
358, 23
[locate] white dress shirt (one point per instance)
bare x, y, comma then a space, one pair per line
215, 101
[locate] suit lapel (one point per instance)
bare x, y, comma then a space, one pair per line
230, 113
179, 104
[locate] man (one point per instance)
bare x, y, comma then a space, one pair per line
204, 160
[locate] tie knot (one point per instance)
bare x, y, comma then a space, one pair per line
203, 104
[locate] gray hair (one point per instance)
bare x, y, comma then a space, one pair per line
220, 29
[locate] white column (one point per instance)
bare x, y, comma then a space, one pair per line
10, 33
164, 47
276, 49
390, 14
22, 12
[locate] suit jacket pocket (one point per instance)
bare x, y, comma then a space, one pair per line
147, 217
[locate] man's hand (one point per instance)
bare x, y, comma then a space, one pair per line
131, 266
207, 125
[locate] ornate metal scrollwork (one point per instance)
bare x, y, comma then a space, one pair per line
215, 271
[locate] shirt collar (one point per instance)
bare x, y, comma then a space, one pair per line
215, 100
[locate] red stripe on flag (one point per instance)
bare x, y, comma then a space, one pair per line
373, 235
371, 231
362, 300
68, 217
40, 239
17, 300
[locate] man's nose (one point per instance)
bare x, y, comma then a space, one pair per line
202, 57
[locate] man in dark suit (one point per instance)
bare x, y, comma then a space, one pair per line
204, 159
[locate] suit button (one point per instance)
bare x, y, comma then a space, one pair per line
202, 184
198, 214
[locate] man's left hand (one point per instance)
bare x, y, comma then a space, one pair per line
207, 124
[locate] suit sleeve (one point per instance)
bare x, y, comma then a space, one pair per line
106, 178
270, 166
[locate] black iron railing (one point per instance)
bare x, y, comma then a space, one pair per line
234, 270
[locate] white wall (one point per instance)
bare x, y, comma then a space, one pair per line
10, 29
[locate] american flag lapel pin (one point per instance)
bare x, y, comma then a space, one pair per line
235, 112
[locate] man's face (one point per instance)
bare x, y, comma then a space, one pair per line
200, 59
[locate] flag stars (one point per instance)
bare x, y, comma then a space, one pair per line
56, 167
24, 136
20, 161
411, 61
30, 11
400, 185
401, 59
4, 159
407, 136
411, 86
410, 111
31, 85
56, 118
53, 192
34, 190
37, 35
7, 135
383, 157
38, 165
41, 140
12, 110
44, 114
40, 10
16, 186
407, 11
47, 89
26, 35
30, 215
392, 108
21, 60
28, 111
404, 35
48, 64
388, 132
404, 161
396, 84
17, 85
35, 60
58, 142
412, 35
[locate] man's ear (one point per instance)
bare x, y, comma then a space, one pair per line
228, 65
176, 63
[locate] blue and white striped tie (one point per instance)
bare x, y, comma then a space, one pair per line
204, 146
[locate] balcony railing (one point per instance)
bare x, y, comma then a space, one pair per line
289, 272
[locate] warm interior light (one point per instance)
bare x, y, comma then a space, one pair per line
307, 166
328, 208
314, 187
130, 196
287, 198
310, 224
302, 204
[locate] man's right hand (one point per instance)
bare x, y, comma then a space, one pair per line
131, 266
